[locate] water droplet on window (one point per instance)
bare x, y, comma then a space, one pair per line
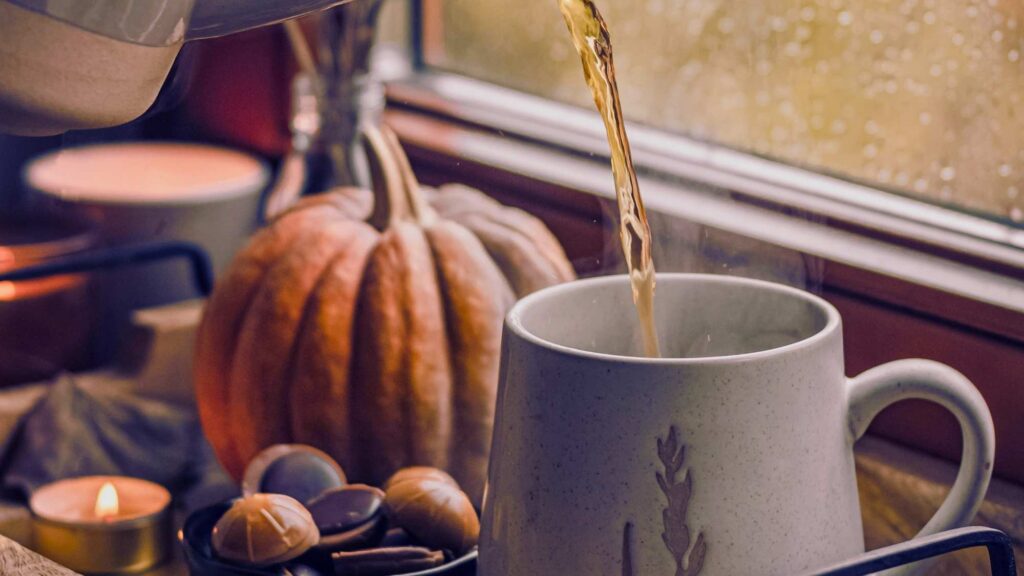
845, 18
997, 36
1016, 214
726, 25
924, 118
1013, 55
913, 27
870, 151
778, 23
1005, 170
876, 37
921, 185
948, 173
902, 178
838, 126
871, 127
958, 39
1012, 192
929, 17
935, 70
971, 11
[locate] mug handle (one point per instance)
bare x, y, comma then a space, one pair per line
883, 385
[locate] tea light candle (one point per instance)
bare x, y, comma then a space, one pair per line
102, 524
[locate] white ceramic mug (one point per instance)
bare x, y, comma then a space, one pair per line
136, 192
730, 456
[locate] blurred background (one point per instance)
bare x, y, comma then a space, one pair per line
871, 151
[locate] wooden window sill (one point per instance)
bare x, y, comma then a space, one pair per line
900, 489
898, 298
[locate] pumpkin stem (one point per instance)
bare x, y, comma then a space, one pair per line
390, 203
421, 210
395, 188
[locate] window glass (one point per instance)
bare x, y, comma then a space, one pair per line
922, 97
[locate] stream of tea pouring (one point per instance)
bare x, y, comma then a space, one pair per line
591, 39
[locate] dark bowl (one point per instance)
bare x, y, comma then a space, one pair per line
195, 539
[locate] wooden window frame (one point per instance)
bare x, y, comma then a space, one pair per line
910, 278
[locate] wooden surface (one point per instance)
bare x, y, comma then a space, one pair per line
15, 559
900, 489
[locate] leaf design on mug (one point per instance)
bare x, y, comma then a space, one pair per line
677, 534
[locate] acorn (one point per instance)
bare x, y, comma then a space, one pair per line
419, 472
433, 510
264, 529
297, 470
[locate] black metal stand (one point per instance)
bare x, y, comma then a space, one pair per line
122, 256
1000, 553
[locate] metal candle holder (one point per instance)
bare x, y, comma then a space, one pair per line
137, 538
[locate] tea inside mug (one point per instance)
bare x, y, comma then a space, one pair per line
699, 316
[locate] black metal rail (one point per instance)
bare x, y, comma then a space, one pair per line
999, 545
120, 257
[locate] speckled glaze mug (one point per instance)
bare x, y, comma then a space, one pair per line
731, 456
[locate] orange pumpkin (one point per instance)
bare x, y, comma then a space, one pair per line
375, 340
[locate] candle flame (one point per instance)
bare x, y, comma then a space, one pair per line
107, 502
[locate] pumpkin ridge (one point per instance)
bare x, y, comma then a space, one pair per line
475, 297
515, 255
537, 234
267, 339
317, 409
556, 265
459, 202
326, 421
428, 375
226, 310
377, 375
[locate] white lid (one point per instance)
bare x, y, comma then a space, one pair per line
146, 173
